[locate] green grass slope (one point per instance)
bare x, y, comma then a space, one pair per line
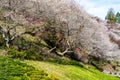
16, 70
12, 69
71, 72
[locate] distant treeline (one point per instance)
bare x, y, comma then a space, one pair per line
111, 17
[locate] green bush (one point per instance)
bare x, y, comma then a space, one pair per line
15, 70
2, 42
13, 53
31, 54
25, 50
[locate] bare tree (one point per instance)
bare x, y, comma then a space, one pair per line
6, 34
9, 31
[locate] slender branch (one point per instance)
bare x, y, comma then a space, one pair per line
64, 52
52, 49
14, 33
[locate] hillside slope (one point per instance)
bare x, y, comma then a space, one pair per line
13, 69
70, 72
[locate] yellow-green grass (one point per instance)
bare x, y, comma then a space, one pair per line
11, 69
71, 72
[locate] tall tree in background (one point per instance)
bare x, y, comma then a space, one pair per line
110, 17
118, 17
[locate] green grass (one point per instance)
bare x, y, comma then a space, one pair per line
71, 72
11, 69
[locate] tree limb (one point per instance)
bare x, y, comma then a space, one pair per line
64, 52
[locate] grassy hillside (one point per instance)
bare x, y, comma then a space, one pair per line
70, 72
11, 69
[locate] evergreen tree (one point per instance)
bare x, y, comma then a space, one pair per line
118, 17
110, 17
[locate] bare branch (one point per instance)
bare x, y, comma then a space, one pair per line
62, 53
52, 49
14, 33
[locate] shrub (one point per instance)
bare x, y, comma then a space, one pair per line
2, 42
15, 70
26, 54
33, 53
25, 49
13, 53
